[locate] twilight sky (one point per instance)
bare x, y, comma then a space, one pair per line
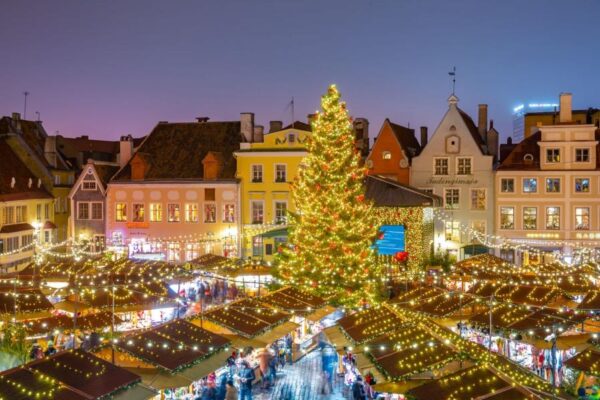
107, 68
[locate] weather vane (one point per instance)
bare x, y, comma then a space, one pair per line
453, 75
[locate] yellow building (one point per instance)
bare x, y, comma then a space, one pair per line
266, 169
533, 120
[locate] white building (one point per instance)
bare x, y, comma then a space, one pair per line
458, 165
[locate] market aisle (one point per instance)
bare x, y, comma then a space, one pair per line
299, 382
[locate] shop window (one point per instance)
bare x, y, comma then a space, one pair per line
451, 198
582, 218
582, 185
507, 185
530, 185
507, 218
529, 218
553, 218
117, 238
173, 252
452, 231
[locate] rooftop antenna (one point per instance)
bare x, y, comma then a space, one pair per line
25, 93
292, 105
453, 75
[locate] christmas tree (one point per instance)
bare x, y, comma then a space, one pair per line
332, 229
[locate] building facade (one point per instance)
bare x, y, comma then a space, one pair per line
178, 198
393, 150
548, 188
457, 164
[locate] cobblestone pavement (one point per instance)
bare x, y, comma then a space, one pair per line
299, 382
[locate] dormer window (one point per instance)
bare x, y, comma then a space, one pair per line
528, 157
387, 155
552, 155
582, 155
291, 138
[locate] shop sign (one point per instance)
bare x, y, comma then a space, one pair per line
452, 181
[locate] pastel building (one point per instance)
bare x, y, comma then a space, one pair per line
178, 198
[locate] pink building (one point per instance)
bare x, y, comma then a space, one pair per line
177, 198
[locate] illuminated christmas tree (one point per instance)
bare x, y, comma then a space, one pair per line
332, 230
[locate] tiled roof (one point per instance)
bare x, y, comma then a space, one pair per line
16, 228
302, 126
176, 150
406, 138
105, 172
516, 158
388, 193
473, 130
83, 148
12, 166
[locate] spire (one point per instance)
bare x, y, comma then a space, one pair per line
452, 100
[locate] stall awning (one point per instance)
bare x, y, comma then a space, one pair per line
138, 392
320, 313
475, 249
562, 343
205, 367
160, 380
277, 333
275, 233
240, 342
336, 337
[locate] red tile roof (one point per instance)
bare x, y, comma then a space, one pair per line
12, 167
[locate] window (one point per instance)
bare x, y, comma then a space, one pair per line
12, 243
257, 212
530, 185
441, 166
552, 218
173, 212
83, 210
210, 212
138, 212
427, 190
229, 213
582, 218
57, 180
452, 231
38, 212
507, 185
155, 212
121, 212
387, 155
280, 173
477, 199
582, 185
209, 194
280, 212
257, 246
451, 198
173, 249
552, 185
8, 215
70, 179
530, 218
191, 212
582, 155
463, 166
26, 240
97, 210
47, 211
192, 251
269, 249
507, 218
88, 185
117, 238
257, 173
47, 236
291, 138
21, 214
478, 228
552, 155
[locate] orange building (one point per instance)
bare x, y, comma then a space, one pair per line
393, 150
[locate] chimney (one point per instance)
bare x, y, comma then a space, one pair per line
275, 126
361, 135
492, 141
50, 150
423, 136
247, 126
482, 121
311, 118
16, 117
565, 113
202, 119
259, 131
125, 150
509, 140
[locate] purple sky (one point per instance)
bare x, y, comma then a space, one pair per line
106, 68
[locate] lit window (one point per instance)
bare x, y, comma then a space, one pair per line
121, 212
582, 155
173, 212
257, 212
191, 212
257, 246
174, 249
478, 228
117, 238
451, 197
387, 155
138, 212
229, 213
582, 218
553, 185
280, 212
192, 251
507, 218
582, 185
464, 166
83, 210
530, 185
507, 185
210, 212
452, 231
478, 199
552, 218
441, 166
280, 173
257, 173
155, 212
21, 214
529, 218
552, 155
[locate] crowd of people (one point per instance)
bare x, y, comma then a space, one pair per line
65, 341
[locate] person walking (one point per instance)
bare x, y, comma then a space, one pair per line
221, 387
246, 377
232, 392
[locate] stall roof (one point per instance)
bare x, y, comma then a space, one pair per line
591, 301
293, 301
503, 316
587, 361
174, 345
27, 301
85, 373
370, 323
31, 380
62, 322
431, 300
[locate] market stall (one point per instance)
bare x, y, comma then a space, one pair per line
23, 303
587, 364
367, 324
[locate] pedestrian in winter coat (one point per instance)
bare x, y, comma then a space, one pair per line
221, 387
232, 392
246, 377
